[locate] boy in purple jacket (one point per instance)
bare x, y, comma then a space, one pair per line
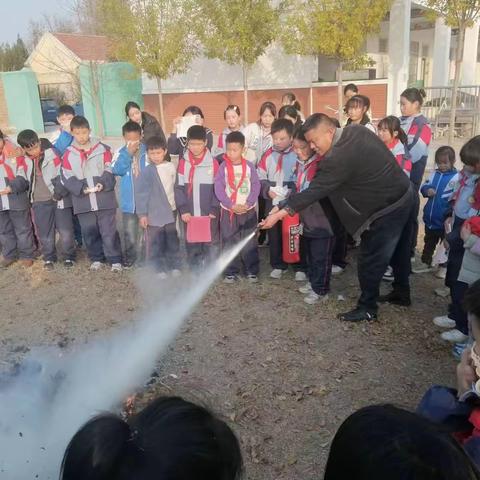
87, 172
237, 187
195, 196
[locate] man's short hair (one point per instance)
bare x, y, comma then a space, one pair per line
197, 132
27, 138
282, 124
65, 110
79, 122
313, 121
235, 137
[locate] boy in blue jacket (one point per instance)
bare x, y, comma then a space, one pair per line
438, 190
156, 209
131, 160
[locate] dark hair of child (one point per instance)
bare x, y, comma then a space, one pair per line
27, 138
65, 110
197, 132
392, 124
359, 101
291, 111
443, 152
155, 142
413, 95
131, 126
169, 439
335, 122
194, 110
282, 124
351, 87
131, 105
79, 122
235, 108
267, 106
470, 152
290, 96
316, 119
299, 133
471, 299
385, 442
235, 137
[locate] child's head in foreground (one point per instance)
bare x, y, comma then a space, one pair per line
282, 133
156, 149
235, 145
470, 155
30, 143
197, 140
445, 158
80, 129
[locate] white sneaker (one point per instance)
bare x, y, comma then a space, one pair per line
454, 336
176, 273
336, 270
162, 276
277, 273
307, 288
312, 298
116, 267
444, 321
422, 268
441, 273
388, 275
96, 266
300, 277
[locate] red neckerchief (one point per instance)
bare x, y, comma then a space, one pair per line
194, 162
463, 182
8, 169
231, 177
84, 154
306, 170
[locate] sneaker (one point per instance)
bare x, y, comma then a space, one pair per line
96, 266
300, 277
162, 275
312, 298
176, 273
116, 267
229, 279
396, 298
6, 262
26, 262
68, 263
441, 273
454, 336
458, 350
307, 288
277, 273
358, 315
422, 268
444, 321
252, 278
388, 275
48, 265
337, 270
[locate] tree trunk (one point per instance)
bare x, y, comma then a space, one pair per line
340, 92
456, 82
160, 105
311, 99
96, 98
245, 94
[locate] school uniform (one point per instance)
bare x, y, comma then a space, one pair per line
317, 230
276, 169
419, 136
51, 205
128, 168
155, 200
16, 234
84, 167
62, 140
401, 156
238, 184
194, 194
435, 210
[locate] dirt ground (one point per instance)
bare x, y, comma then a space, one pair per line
283, 374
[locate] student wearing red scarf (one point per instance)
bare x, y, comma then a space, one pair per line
195, 198
16, 234
237, 187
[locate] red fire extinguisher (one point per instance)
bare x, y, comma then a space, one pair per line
291, 230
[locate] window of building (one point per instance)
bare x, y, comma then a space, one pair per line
383, 45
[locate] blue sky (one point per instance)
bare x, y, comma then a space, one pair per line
16, 15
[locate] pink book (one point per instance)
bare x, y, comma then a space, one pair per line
198, 230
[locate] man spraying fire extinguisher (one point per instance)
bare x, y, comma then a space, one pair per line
373, 200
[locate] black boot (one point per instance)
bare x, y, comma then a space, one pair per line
396, 297
358, 315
